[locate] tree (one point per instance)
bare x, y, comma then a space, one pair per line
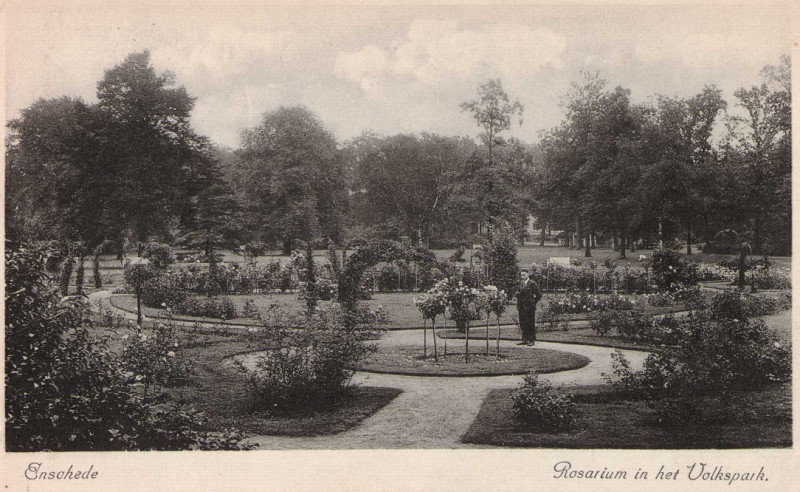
686, 162
292, 177
51, 179
492, 111
148, 146
404, 180
94, 172
758, 153
574, 150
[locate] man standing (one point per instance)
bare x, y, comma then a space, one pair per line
529, 294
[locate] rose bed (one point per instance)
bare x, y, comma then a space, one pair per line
408, 360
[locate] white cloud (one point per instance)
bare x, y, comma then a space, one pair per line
698, 50
434, 51
227, 51
362, 66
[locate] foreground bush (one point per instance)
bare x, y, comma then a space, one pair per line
711, 357
153, 357
65, 391
537, 405
309, 361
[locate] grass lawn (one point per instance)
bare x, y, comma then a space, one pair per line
398, 305
757, 419
579, 335
517, 360
218, 389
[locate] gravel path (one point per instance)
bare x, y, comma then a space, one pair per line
432, 412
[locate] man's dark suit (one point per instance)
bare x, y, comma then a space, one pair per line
527, 297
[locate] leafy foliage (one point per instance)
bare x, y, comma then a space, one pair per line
65, 391
537, 405
310, 368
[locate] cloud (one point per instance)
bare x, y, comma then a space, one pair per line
227, 51
362, 66
698, 50
433, 52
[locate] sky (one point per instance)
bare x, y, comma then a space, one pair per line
387, 69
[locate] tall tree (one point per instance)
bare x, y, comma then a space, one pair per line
493, 111
405, 180
758, 151
148, 145
293, 178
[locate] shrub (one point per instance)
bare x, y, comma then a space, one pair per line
711, 357
159, 254
537, 405
671, 271
64, 390
153, 358
255, 248
771, 278
733, 304
630, 324
162, 290
501, 258
660, 299
308, 369
207, 307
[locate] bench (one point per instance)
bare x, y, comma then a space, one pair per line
559, 260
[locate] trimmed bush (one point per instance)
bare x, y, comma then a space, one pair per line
159, 254
162, 291
540, 407
207, 307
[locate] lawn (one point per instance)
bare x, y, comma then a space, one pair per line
756, 419
399, 307
407, 359
218, 389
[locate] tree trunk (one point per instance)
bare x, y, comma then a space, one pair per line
498, 337
660, 233
541, 239
79, 274
466, 343
138, 306
622, 246
588, 252
487, 335
424, 338
578, 233
435, 349
287, 246
689, 240
444, 317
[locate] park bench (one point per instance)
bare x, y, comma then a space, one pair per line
559, 260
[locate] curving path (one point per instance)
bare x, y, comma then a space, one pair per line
432, 412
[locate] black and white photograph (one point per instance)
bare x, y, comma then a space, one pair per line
393, 246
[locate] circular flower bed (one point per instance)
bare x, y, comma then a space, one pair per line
408, 360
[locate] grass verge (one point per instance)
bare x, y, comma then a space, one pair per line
218, 389
753, 419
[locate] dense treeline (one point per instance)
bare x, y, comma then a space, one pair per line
672, 170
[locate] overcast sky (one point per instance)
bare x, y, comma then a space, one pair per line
384, 69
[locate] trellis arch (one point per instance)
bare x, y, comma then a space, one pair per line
367, 256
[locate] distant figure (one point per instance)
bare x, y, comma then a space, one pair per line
528, 296
744, 250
